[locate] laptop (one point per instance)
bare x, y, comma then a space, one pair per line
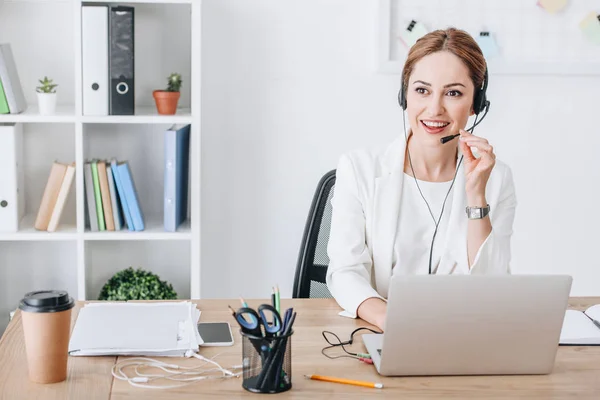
470, 325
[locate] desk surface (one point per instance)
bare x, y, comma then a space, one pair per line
576, 373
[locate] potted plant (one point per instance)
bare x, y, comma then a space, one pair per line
46, 94
130, 284
166, 100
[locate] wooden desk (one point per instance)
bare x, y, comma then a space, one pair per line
576, 374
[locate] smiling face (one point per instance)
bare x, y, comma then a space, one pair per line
439, 97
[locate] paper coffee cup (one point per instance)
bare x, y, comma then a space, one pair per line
46, 317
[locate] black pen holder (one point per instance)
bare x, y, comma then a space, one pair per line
267, 363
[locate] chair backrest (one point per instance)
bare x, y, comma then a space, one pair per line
313, 261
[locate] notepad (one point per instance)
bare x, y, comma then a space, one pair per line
141, 329
579, 329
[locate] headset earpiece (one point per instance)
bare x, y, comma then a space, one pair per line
402, 93
480, 102
402, 98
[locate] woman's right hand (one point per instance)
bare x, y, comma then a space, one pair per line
373, 311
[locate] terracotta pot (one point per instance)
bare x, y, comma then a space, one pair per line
166, 102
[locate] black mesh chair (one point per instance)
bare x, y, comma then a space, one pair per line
313, 261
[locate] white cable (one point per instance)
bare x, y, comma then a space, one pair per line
184, 375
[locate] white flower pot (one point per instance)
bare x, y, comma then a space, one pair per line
46, 103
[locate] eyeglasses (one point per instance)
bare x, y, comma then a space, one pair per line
335, 341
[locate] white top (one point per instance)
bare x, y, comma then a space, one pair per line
416, 226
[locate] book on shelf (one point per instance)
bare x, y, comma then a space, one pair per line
61, 199
12, 98
55, 194
176, 176
111, 197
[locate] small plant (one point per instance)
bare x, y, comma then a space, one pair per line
174, 82
47, 86
130, 284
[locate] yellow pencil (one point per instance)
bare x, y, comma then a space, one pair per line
346, 381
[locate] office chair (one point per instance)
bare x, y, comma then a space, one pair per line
313, 261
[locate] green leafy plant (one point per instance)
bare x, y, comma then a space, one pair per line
174, 82
47, 86
130, 284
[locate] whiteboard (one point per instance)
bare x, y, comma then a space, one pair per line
531, 40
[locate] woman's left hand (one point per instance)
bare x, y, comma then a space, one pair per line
477, 170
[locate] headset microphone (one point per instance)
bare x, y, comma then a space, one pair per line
446, 139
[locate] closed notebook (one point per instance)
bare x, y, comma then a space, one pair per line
98, 196
114, 198
57, 173
176, 174
105, 193
579, 327
128, 185
63, 193
121, 192
90, 199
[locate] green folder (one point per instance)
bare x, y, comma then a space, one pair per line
3, 103
99, 208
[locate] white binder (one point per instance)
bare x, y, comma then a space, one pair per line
9, 75
12, 202
94, 52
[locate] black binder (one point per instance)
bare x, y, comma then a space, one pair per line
121, 60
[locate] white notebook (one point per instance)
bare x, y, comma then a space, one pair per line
579, 327
141, 329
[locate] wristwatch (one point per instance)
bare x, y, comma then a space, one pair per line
478, 212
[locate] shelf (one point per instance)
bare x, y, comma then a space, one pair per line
28, 233
154, 231
143, 115
31, 114
141, 1
65, 114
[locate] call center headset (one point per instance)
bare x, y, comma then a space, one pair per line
480, 103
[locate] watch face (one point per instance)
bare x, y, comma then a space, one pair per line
474, 212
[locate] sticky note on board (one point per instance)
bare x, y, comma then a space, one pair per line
488, 45
552, 6
590, 26
413, 32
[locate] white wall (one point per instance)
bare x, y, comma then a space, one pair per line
288, 86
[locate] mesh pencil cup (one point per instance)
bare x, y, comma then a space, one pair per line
267, 363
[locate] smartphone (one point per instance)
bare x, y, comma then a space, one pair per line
215, 333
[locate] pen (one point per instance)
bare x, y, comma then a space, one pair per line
277, 299
593, 320
244, 304
232, 311
346, 381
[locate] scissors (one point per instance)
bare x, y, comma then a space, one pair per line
251, 321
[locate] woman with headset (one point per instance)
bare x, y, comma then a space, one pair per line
426, 203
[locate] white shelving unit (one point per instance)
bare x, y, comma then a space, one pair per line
45, 37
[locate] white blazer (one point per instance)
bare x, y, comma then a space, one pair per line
366, 207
